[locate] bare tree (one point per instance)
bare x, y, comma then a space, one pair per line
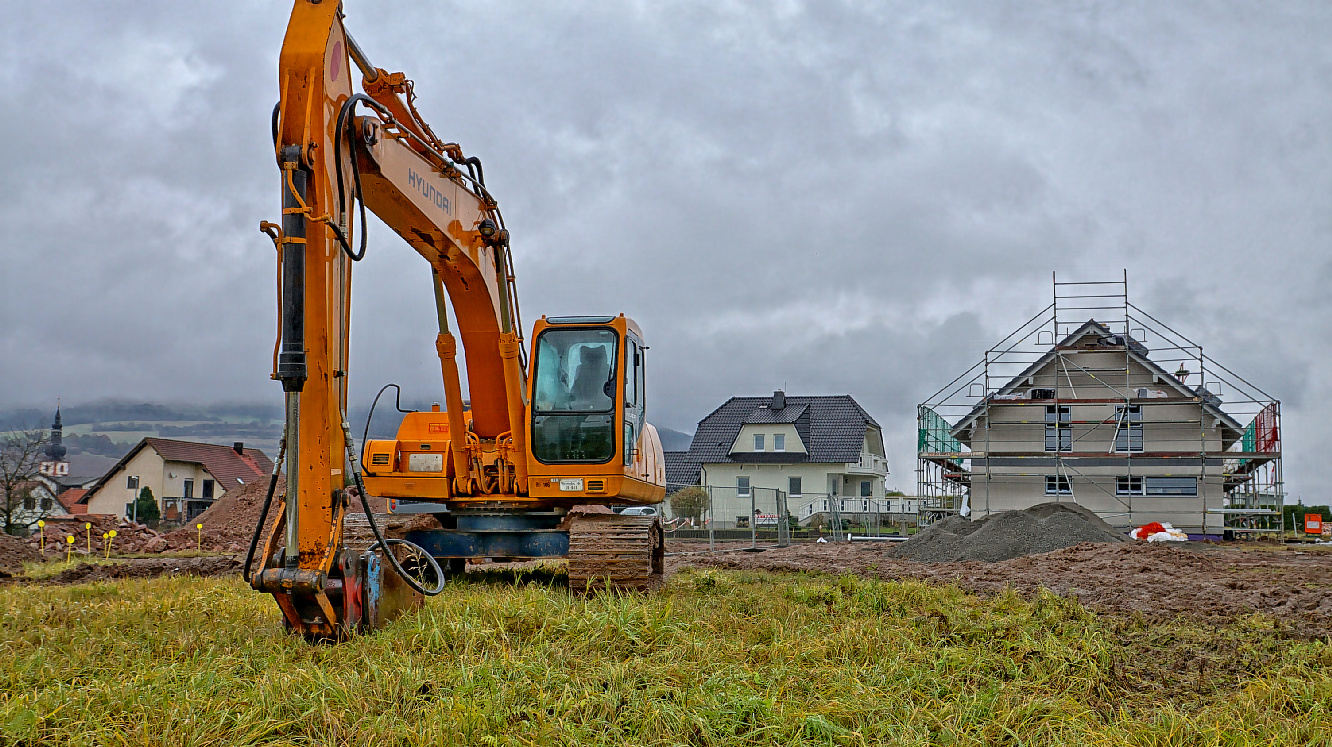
21, 500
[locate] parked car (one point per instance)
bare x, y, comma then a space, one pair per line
640, 511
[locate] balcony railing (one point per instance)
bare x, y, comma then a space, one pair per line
869, 463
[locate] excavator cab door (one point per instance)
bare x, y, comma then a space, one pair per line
635, 404
575, 395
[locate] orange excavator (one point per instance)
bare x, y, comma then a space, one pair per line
505, 478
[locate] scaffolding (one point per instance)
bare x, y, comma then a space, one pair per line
1080, 403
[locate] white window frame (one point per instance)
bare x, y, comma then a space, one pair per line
1129, 485
1058, 422
794, 481
779, 442
758, 442
743, 487
1129, 429
1058, 485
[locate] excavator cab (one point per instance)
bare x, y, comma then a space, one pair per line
588, 428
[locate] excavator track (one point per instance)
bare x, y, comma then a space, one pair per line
610, 551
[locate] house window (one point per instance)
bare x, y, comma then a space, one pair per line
189, 488
758, 442
1131, 485
132, 482
742, 487
47, 503
1057, 485
29, 501
208, 489
865, 488
793, 486
1128, 428
1058, 428
779, 442
1172, 486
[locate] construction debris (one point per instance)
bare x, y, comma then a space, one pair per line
1158, 532
1006, 535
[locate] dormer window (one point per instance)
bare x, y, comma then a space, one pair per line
758, 442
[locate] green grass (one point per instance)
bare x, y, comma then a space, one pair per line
715, 659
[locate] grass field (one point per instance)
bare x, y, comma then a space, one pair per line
716, 659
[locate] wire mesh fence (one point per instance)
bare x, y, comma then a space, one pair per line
716, 517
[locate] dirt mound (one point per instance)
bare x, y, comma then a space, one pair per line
229, 523
130, 537
14, 553
147, 568
1006, 535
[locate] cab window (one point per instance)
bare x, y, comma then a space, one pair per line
573, 401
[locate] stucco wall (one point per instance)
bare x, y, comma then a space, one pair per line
166, 479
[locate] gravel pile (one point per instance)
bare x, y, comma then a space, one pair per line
1006, 535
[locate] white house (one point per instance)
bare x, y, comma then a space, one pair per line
185, 477
810, 449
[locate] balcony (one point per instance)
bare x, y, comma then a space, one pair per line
869, 464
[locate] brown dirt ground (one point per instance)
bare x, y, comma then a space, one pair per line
1211, 583
13, 554
215, 565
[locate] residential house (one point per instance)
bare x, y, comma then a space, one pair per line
809, 449
185, 477
1092, 419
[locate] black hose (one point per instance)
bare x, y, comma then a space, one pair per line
259, 528
342, 129
277, 112
365, 435
480, 174
388, 553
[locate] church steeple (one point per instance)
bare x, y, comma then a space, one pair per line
55, 448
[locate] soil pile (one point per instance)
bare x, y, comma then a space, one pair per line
130, 537
228, 525
1006, 535
13, 554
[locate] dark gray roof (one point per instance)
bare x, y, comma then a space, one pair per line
680, 471
832, 428
788, 414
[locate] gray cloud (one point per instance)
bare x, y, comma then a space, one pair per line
838, 197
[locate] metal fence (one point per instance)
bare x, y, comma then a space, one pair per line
727, 516
843, 516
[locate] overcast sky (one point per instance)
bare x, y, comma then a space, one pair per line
833, 197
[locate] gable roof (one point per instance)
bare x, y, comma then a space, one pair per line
71, 497
680, 471
1136, 352
832, 428
231, 470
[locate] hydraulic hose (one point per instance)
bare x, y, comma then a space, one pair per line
380, 542
268, 502
365, 435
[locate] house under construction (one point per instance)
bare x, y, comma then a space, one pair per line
1097, 402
